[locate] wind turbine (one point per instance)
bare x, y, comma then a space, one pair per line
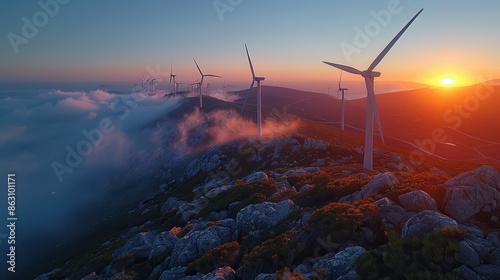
371, 107
147, 84
341, 89
153, 88
201, 81
259, 92
172, 77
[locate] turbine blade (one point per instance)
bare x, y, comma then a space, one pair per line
210, 75
250, 62
391, 44
346, 68
246, 98
201, 73
372, 102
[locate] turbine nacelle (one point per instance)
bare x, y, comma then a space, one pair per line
371, 74
258, 79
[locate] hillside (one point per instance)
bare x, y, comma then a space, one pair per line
295, 204
450, 123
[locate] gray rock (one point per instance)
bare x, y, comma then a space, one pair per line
266, 276
382, 180
302, 269
170, 204
222, 273
417, 201
425, 223
48, 275
471, 192
358, 150
173, 273
467, 256
313, 144
341, 263
262, 216
255, 177
468, 274
163, 244
301, 171
488, 271
140, 245
305, 187
196, 243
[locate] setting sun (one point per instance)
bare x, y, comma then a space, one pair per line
447, 82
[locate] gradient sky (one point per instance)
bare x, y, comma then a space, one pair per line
114, 40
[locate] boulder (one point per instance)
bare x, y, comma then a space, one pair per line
313, 144
222, 273
163, 244
417, 201
266, 276
198, 242
472, 192
488, 271
173, 273
382, 180
301, 171
255, 177
468, 273
170, 204
262, 216
140, 245
425, 223
341, 263
467, 255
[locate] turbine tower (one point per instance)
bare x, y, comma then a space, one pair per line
172, 77
371, 107
259, 92
342, 109
201, 81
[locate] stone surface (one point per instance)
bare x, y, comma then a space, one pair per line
471, 192
341, 263
417, 201
425, 223
140, 245
222, 273
488, 271
255, 177
262, 216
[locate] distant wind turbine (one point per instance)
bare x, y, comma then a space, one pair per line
371, 106
172, 77
342, 109
259, 92
201, 81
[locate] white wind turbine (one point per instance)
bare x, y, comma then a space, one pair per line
259, 92
201, 81
371, 106
342, 109
172, 77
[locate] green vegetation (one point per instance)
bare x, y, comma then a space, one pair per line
413, 258
224, 255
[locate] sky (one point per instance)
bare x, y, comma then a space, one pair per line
118, 41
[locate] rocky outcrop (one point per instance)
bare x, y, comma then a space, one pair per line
341, 263
262, 216
222, 273
471, 192
313, 144
171, 203
425, 223
255, 177
139, 246
417, 201
196, 243
379, 181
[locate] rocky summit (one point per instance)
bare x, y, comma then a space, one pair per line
294, 207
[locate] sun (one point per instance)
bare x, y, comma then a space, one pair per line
447, 82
